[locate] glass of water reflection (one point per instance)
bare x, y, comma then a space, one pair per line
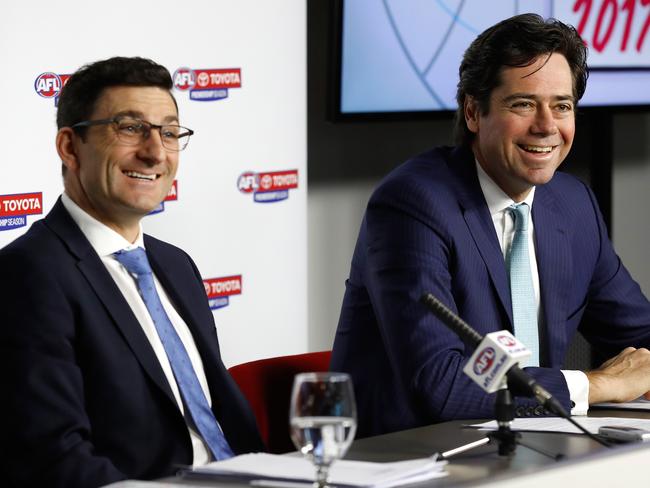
323, 418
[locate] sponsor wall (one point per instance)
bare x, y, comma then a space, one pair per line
238, 205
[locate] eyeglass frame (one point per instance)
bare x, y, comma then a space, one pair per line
116, 119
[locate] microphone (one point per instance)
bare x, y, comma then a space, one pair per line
495, 359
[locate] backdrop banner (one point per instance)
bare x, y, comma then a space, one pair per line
238, 205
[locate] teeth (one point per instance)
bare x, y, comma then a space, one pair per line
135, 174
538, 149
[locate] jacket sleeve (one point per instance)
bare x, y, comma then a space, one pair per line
617, 313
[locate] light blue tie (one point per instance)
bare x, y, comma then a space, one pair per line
136, 263
524, 308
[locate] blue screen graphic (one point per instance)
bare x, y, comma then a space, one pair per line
403, 55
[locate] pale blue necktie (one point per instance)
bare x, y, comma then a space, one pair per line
524, 307
136, 262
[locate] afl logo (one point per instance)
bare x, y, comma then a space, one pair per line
48, 85
184, 79
268, 186
507, 340
484, 361
248, 182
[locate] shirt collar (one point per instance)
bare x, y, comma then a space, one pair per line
497, 201
104, 240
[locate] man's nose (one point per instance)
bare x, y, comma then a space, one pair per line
544, 122
151, 148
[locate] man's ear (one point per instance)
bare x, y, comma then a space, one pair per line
67, 148
471, 111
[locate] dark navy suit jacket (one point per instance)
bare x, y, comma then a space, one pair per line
427, 228
84, 399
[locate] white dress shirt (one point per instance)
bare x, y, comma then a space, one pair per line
498, 203
105, 242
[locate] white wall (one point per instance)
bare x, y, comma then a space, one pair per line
631, 194
334, 213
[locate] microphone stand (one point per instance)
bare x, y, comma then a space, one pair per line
504, 407
504, 437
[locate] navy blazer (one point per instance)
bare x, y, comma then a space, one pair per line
427, 228
85, 401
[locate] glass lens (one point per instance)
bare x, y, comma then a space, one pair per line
134, 131
183, 137
170, 137
131, 131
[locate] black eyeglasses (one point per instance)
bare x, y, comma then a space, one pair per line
132, 131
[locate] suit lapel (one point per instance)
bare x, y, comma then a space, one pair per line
174, 283
554, 265
174, 279
479, 222
101, 282
552, 251
179, 282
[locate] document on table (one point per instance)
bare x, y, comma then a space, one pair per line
273, 470
144, 484
558, 424
638, 404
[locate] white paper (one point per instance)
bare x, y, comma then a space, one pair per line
638, 404
558, 424
351, 473
144, 484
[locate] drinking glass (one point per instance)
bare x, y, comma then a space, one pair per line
323, 418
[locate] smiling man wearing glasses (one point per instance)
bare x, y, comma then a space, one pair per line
108, 349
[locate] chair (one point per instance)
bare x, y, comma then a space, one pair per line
266, 384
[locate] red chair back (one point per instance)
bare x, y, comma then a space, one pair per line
267, 384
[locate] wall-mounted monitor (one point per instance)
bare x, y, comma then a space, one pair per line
402, 56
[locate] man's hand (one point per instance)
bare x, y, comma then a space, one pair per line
622, 378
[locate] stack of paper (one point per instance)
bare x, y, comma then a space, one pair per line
269, 468
558, 424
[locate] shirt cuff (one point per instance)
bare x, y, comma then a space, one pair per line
578, 385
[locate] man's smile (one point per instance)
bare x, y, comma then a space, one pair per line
536, 149
141, 176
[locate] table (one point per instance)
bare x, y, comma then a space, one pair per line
481, 465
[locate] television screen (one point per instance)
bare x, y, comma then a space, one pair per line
403, 55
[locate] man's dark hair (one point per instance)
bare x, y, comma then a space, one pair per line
85, 86
515, 42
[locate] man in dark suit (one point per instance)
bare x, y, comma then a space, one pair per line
93, 388
446, 222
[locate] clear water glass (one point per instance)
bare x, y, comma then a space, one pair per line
323, 419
